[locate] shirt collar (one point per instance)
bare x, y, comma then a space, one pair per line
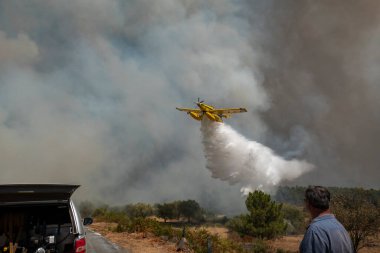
323, 217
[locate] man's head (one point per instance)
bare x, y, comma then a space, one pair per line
318, 197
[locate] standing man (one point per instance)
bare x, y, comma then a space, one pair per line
325, 233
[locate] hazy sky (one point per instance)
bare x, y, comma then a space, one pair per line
88, 91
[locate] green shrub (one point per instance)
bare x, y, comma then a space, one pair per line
139, 210
264, 220
159, 229
295, 217
200, 239
99, 212
260, 247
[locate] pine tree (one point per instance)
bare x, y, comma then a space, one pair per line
264, 220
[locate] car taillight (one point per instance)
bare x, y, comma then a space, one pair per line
80, 245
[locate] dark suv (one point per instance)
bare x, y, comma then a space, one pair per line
41, 219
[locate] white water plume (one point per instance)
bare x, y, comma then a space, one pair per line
233, 158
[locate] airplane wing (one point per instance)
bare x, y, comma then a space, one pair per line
188, 110
228, 110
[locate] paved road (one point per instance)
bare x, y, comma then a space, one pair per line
98, 244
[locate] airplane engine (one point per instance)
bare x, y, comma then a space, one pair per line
196, 116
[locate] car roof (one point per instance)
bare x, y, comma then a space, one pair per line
25, 193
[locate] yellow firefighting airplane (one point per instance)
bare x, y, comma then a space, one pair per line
211, 113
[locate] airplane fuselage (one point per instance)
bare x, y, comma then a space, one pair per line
207, 110
204, 107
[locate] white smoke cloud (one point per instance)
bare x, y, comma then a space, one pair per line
233, 158
88, 91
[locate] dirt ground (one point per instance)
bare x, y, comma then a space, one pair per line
147, 243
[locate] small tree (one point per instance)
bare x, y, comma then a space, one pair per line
139, 210
100, 211
166, 211
176, 205
359, 215
189, 209
264, 220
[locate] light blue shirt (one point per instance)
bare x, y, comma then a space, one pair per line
325, 234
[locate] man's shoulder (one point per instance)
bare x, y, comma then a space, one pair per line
323, 222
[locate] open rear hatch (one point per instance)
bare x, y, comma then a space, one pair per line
25, 193
36, 217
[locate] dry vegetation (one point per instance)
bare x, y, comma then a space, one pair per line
148, 243
142, 228
135, 242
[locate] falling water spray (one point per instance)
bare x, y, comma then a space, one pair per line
233, 158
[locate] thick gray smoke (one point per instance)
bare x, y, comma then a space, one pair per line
321, 75
233, 158
88, 91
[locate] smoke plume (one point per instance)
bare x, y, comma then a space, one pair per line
88, 91
233, 158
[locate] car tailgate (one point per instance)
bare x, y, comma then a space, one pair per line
20, 193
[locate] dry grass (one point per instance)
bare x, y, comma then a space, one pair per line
135, 242
291, 243
288, 243
148, 243
222, 232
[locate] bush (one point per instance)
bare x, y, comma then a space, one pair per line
107, 214
190, 209
264, 220
260, 246
100, 211
359, 214
200, 239
295, 218
166, 211
238, 224
146, 225
138, 210
122, 227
